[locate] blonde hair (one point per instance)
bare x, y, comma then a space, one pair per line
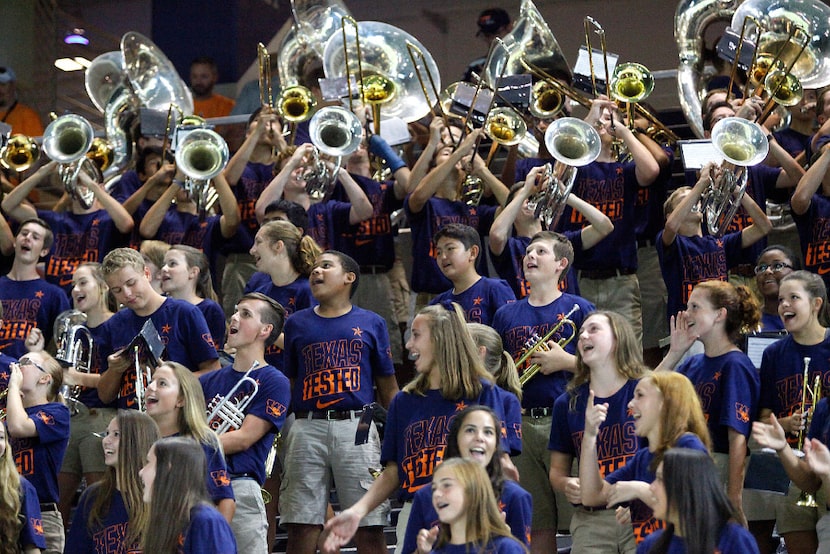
192, 421
121, 258
105, 299
154, 251
496, 359
455, 354
302, 250
10, 525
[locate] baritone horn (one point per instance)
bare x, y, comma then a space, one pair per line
225, 413
67, 140
74, 349
742, 144
573, 143
336, 132
537, 344
201, 156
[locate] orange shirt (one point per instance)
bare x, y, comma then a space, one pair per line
24, 120
215, 106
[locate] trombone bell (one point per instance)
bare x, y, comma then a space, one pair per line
20, 153
631, 83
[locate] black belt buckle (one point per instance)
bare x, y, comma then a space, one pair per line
48, 507
537, 413
371, 412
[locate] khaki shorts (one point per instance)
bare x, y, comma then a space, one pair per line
597, 532
84, 453
318, 453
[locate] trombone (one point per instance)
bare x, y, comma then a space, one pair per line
535, 343
19, 153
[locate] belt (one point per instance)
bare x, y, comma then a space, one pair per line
591, 508
536, 413
744, 270
373, 269
330, 415
49, 507
605, 273
242, 476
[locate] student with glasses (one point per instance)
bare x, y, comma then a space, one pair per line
774, 263
38, 426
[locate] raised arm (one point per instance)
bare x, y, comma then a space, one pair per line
502, 227
154, 217
600, 224
761, 225
276, 187
266, 121
229, 222
808, 185
164, 175
421, 167
593, 487
14, 203
121, 217
361, 207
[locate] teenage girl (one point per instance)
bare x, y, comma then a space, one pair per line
38, 425
176, 403
608, 363
774, 263
475, 435
114, 507
186, 275
19, 510
182, 518
725, 379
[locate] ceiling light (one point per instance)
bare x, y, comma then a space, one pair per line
76, 36
68, 64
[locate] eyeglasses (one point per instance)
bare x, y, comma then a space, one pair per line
26, 361
776, 267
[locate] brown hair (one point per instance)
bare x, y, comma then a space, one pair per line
743, 313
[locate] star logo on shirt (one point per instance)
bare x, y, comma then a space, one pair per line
619, 171
358, 332
292, 301
4, 376
719, 242
477, 301
165, 328
95, 222
460, 406
39, 294
717, 376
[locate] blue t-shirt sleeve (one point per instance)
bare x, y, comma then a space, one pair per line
418, 518
52, 422
518, 508
208, 532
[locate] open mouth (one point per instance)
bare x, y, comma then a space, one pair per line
477, 453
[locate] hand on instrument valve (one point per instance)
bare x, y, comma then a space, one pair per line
770, 435
554, 359
599, 106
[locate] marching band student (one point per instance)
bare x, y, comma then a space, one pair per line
153, 252
38, 424
248, 173
457, 247
181, 517
112, 516
802, 306
20, 518
180, 325
471, 520
775, 262
84, 457
81, 234
609, 364
516, 224
474, 435
724, 377
334, 354
185, 275
28, 301
810, 203
667, 412
176, 403
689, 498
449, 377
256, 323
435, 200
687, 256
547, 258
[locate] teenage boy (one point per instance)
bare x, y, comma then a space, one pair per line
28, 301
335, 353
548, 257
256, 323
81, 234
180, 325
457, 247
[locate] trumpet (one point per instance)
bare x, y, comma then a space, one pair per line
813, 393
536, 343
226, 413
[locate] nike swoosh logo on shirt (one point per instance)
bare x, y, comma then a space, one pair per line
324, 405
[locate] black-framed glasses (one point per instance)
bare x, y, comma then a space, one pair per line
776, 267
27, 361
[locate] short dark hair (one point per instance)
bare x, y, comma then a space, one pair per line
467, 235
206, 60
349, 266
562, 247
48, 236
294, 211
707, 117
273, 314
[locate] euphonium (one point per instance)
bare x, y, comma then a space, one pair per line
67, 140
20, 153
74, 349
573, 143
540, 344
812, 394
742, 144
335, 132
225, 413
201, 156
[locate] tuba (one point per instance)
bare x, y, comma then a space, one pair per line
742, 144
225, 413
67, 140
335, 132
573, 143
74, 349
201, 155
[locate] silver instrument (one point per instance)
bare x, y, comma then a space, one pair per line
226, 413
335, 132
74, 349
201, 155
67, 140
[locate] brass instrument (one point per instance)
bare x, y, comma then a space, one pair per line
295, 103
573, 143
224, 413
19, 153
813, 394
143, 376
74, 349
336, 132
535, 344
201, 156
548, 100
3, 394
266, 95
742, 144
67, 140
